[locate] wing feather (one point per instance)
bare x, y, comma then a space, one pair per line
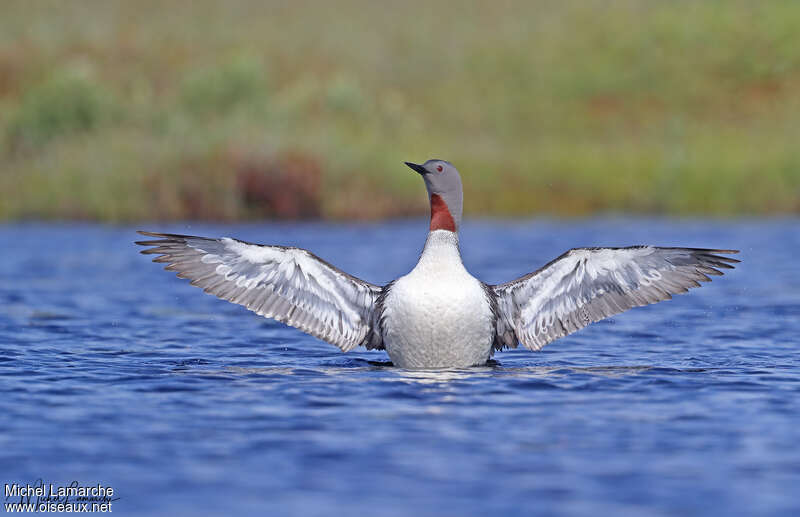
290, 285
585, 285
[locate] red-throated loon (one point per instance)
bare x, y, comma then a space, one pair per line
438, 315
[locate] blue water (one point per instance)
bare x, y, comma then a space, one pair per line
113, 371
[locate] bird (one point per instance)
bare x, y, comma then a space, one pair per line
438, 315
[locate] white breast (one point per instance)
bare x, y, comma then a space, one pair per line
438, 315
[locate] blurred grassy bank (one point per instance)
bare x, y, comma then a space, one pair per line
118, 110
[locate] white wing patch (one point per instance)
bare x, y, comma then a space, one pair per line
290, 285
589, 284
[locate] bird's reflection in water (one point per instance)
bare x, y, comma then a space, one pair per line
428, 376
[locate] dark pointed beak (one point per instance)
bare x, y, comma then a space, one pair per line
419, 168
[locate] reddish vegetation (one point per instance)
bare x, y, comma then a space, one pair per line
232, 185
441, 218
287, 187
190, 189
9, 72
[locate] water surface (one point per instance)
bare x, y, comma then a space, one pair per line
113, 371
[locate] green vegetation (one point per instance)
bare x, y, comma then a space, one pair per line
118, 111
61, 105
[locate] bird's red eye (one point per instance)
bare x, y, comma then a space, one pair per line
439, 168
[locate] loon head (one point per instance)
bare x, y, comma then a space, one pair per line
444, 191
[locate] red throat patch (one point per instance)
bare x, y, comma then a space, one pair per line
441, 219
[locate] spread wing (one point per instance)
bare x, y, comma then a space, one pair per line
290, 285
585, 285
